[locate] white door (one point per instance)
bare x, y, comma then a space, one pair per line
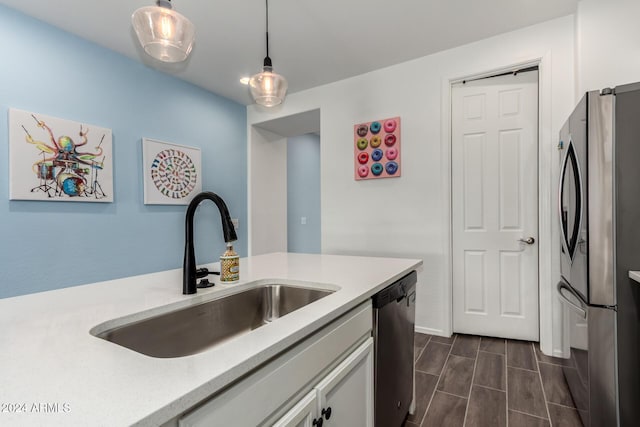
345, 396
494, 176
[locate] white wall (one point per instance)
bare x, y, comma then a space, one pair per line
608, 43
407, 217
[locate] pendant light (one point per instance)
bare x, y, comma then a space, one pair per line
164, 34
268, 88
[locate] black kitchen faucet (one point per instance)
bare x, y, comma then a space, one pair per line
189, 274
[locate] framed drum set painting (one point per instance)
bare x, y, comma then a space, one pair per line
58, 160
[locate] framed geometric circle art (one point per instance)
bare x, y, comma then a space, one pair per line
376, 149
172, 173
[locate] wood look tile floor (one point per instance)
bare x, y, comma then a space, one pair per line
474, 381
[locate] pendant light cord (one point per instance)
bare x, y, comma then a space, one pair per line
267, 26
267, 60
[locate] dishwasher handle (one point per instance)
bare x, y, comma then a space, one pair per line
396, 291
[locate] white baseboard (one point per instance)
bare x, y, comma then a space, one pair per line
440, 333
430, 331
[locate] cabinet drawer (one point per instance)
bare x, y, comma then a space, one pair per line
254, 398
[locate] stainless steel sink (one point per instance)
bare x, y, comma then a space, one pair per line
196, 328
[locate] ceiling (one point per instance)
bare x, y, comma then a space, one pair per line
312, 42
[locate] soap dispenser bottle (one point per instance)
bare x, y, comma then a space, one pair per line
229, 265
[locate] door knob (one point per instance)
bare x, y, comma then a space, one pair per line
528, 240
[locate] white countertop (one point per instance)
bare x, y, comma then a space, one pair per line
49, 362
635, 275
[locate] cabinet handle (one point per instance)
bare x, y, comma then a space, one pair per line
327, 413
318, 422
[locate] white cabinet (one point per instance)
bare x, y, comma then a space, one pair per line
343, 398
304, 414
333, 367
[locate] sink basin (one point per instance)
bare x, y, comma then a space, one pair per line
196, 328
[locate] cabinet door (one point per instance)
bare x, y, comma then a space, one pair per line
301, 415
347, 392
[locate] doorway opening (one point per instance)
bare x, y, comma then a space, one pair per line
303, 194
284, 185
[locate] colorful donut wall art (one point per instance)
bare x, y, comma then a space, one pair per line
376, 148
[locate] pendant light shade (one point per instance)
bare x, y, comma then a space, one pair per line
164, 34
268, 88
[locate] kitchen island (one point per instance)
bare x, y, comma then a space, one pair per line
55, 372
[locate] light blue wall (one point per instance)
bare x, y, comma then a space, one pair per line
303, 193
48, 245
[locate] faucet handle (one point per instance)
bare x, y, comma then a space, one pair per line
202, 272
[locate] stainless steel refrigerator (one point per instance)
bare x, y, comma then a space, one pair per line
599, 209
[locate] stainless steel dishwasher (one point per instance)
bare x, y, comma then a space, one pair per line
394, 312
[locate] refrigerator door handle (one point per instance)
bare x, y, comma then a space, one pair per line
563, 170
581, 309
569, 241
